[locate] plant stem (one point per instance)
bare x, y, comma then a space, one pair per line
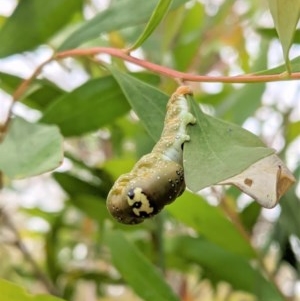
123, 54
158, 242
18, 94
247, 78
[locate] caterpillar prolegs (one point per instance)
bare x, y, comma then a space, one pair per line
157, 179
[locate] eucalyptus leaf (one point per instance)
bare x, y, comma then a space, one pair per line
117, 16
288, 220
75, 186
271, 33
285, 16
241, 103
137, 271
88, 107
34, 22
92, 206
147, 102
209, 221
218, 150
12, 292
250, 215
158, 14
30, 149
294, 64
188, 35
38, 96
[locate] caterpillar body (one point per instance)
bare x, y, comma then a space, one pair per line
157, 179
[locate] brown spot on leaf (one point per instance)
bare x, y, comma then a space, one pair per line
248, 182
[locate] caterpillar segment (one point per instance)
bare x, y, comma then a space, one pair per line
157, 179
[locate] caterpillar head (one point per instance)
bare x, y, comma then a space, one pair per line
146, 190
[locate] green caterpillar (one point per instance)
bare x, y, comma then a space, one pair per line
157, 179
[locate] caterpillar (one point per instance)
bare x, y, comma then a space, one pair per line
157, 179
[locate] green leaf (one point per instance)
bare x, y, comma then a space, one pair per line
292, 131
37, 212
271, 33
294, 64
92, 206
87, 108
147, 102
188, 36
33, 22
74, 186
118, 16
210, 221
9, 82
95, 208
288, 220
225, 266
285, 16
38, 96
249, 215
12, 292
137, 271
242, 103
218, 150
158, 14
115, 17
30, 149
118, 166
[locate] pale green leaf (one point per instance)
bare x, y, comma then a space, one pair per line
34, 22
12, 292
218, 150
289, 221
271, 33
142, 276
285, 16
148, 102
38, 96
210, 221
120, 15
188, 35
88, 107
237, 106
242, 103
158, 14
92, 206
30, 149
75, 186
294, 64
